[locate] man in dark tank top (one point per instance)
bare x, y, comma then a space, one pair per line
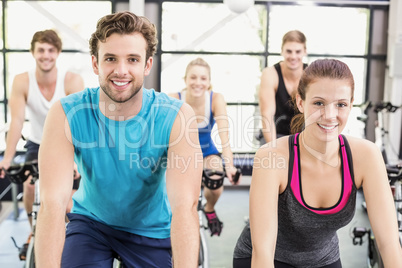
278, 85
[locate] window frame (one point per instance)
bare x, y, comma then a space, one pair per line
369, 56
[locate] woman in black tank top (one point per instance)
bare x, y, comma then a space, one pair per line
298, 203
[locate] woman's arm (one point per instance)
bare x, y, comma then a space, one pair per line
371, 171
266, 184
221, 118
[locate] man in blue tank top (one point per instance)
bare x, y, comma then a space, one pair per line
139, 158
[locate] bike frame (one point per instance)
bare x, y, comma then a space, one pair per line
30, 258
203, 257
373, 255
381, 131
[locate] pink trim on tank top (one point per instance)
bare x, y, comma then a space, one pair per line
347, 181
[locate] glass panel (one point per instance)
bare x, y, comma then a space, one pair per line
1, 28
15, 67
243, 127
2, 129
330, 36
1, 76
1, 79
244, 123
70, 19
221, 30
236, 77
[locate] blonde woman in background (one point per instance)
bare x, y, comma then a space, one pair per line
209, 107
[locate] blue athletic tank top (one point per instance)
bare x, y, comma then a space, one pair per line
205, 127
123, 163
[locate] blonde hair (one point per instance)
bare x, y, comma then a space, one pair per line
198, 62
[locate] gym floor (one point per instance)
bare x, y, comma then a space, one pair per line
232, 209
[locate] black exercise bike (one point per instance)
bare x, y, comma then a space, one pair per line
217, 176
373, 255
18, 174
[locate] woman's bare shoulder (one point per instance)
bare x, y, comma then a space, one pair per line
366, 156
274, 154
272, 161
360, 146
174, 95
217, 97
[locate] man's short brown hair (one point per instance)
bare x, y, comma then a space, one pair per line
46, 36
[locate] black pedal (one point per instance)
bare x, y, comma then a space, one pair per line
358, 233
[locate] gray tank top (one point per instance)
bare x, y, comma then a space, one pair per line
305, 238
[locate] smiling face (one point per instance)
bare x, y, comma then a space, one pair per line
122, 66
197, 80
45, 55
326, 107
293, 53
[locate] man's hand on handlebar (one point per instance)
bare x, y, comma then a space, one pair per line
19, 173
4, 165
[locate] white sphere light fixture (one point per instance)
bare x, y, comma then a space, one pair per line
238, 6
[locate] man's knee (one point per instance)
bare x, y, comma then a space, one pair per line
28, 188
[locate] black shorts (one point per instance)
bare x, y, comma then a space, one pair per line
32, 151
246, 263
96, 244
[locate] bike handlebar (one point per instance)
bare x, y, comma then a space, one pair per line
385, 106
221, 173
19, 173
394, 173
364, 106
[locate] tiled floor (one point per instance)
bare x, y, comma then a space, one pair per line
232, 208
18, 229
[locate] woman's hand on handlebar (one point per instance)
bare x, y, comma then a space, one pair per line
233, 174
